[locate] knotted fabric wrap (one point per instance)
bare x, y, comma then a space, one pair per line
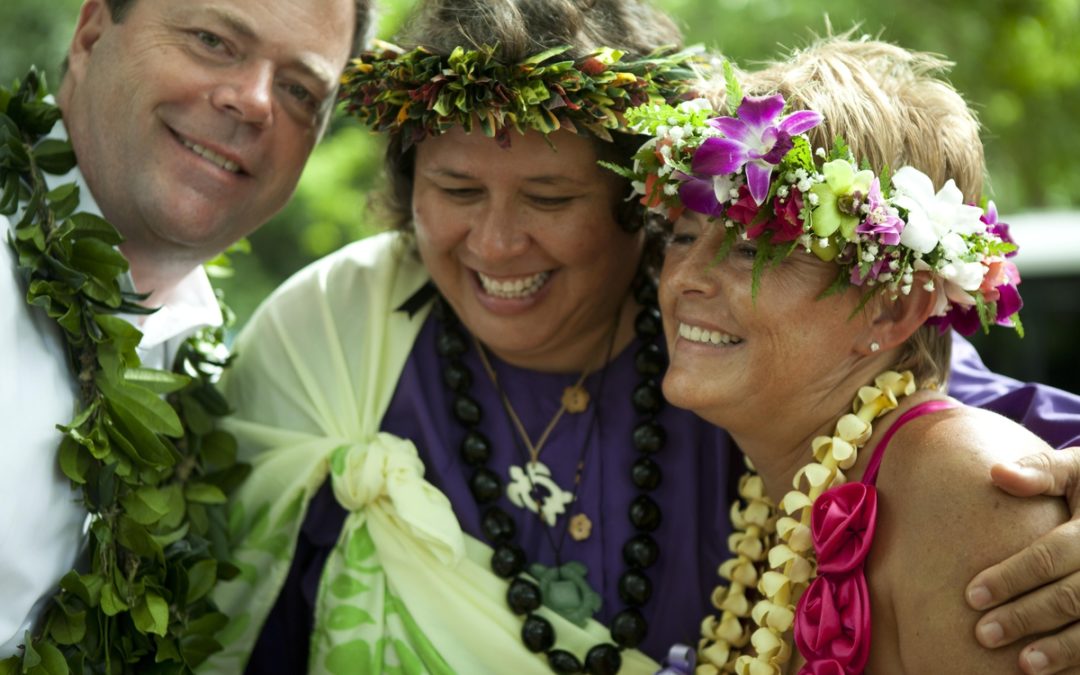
404, 590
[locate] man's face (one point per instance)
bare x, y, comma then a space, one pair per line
193, 120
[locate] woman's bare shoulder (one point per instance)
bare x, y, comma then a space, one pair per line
942, 521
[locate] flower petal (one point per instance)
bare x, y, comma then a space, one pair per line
761, 111
758, 173
697, 194
718, 156
798, 122
731, 128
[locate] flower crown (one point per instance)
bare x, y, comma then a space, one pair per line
419, 94
758, 174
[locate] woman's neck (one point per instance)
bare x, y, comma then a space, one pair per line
779, 447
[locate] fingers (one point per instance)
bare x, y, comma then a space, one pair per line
1044, 610
1053, 654
1054, 472
1047, 560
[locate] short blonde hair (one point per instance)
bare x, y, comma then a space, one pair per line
893, 108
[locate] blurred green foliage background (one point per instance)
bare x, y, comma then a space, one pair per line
1018, 63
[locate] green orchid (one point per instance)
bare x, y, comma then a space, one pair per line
839, 199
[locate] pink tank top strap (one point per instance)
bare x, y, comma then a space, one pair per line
870, 476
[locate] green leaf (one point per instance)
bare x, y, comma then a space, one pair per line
135, 439
68, 628
151, 615
63, 201
201, 578
98, 259
144, 406
90, 225
54, 156
74, 460
111, 603
52, 660
204, 493
157, 381
87, 587
219, 448
146, 506
136, 538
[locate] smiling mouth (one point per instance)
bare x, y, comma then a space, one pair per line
513, 289
211, 156
705, 336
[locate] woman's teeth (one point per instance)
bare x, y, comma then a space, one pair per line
515, 288
212, 156
706, 336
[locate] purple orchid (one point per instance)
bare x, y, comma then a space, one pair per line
997, 228
879, 221
758, 138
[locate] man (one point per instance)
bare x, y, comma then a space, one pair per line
191, 122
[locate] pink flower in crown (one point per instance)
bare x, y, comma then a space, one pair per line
756, 139
876, 268
880, 221
832, 622
997, 228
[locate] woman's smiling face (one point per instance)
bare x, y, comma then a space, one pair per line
735, 357
523, 242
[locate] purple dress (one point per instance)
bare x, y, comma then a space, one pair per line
699, 465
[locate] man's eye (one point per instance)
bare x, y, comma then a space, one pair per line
746, 249
301, 94
460, 193
209, 39
681, 239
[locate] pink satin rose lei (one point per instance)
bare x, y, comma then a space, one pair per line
832, 620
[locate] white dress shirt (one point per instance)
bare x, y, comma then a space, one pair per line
42, 520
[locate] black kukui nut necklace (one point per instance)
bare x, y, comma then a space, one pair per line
628, 627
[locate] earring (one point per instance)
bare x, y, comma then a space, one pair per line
875, 347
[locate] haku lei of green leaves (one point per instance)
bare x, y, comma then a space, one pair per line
649, 167
153, 473
419, 94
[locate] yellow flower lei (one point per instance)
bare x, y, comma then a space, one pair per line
783, 573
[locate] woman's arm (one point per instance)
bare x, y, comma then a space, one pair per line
941, 522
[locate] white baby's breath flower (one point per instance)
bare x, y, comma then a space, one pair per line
813, 198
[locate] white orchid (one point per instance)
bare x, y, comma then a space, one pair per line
932, 215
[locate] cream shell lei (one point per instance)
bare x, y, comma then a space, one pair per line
762, 534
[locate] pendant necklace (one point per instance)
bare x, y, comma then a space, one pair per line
532, 486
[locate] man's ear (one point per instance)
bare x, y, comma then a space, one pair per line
94, 18
894, 321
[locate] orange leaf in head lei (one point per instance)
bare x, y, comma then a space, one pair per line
773, 554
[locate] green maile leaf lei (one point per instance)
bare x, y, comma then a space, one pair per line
143, 450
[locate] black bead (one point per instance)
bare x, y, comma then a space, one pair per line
645, 293
442, 311
497, 525
648, 323
537, 634
450, 344
635, 588
649, 437
644, 513
628, 628
457, 377
647, 398
603, 660
466, 410
507, 560
563, 662
485, 485
475, 448
649, 361
645, 474
523, 596
640, 551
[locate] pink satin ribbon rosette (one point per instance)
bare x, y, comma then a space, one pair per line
832, 620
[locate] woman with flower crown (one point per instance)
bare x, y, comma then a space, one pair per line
826, 245
461, 458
